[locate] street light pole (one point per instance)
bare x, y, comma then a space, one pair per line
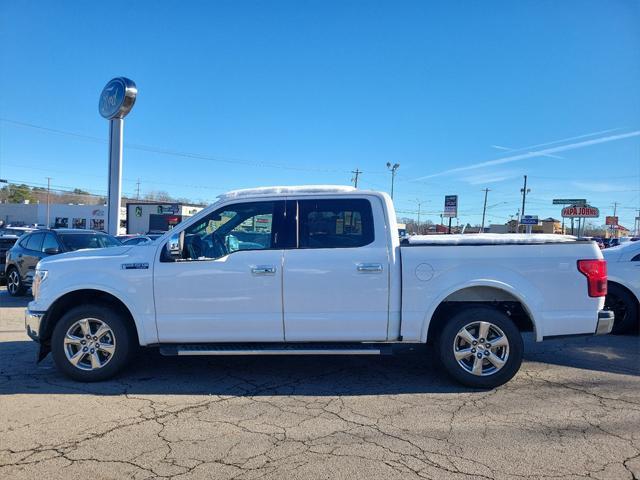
393, 169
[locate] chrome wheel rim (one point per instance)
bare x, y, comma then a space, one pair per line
89, 344
481, 348
13, 282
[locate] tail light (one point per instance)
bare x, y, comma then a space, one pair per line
596, 273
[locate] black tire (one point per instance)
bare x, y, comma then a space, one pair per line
625, 307
15, 285
469, 316
125, 342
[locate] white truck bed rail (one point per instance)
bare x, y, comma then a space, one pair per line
489, 239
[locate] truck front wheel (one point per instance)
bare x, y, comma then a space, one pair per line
480, 347
92, 343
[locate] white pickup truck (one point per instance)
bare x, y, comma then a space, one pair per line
315, 270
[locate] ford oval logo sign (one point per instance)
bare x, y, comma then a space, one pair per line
117, 98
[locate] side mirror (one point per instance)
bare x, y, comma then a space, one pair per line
174, 246
52, 251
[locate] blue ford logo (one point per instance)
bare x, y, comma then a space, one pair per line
117, 98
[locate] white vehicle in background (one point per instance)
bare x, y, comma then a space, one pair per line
623, 297
316, 270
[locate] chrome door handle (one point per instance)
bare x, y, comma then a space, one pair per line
369, 267
263, 270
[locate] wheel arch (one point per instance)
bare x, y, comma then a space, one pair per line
79, 297
501, 297
622, 286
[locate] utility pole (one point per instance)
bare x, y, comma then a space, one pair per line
392, 169
138, 190
356, 174
484, 209
48, 199
524, 190
419, 203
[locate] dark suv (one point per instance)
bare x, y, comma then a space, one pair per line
23, 257
6, 242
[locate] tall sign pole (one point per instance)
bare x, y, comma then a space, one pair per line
116, 101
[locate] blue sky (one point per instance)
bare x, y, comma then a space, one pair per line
306, 91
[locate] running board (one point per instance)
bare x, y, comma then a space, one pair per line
276, 349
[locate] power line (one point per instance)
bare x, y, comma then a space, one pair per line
171, 152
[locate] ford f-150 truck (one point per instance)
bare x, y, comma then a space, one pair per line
315, 270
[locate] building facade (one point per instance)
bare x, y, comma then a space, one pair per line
144, 217
93, 217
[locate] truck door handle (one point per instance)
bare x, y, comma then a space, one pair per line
263, 270
369, 267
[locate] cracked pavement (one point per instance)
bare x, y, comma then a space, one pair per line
572, 412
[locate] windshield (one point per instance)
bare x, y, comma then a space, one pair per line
77, 241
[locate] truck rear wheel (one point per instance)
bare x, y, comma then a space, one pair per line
92, 343
480, 347
625, 308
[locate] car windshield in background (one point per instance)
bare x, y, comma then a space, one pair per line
78, 241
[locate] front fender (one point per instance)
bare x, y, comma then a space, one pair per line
134, 288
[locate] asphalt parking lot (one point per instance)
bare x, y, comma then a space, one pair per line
573, 411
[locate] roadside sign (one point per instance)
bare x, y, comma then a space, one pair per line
450, 206
611, 220
585, 211
569, 201
529, 220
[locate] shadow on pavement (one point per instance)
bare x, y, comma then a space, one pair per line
605, 353
407, 372
7, 300
151, 373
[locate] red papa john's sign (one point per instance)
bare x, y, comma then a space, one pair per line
585, 211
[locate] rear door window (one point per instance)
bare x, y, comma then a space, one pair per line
34, 242
342, 223
50, 242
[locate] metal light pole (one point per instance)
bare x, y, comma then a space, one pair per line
393, 169
116, 101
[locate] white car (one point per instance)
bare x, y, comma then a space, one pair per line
316, 270
623, 297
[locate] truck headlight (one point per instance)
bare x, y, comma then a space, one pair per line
39, 277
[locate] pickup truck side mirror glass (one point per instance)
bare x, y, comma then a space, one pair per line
174, 246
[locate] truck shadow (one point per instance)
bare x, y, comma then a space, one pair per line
405, 373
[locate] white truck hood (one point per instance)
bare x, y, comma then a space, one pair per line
86, 254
